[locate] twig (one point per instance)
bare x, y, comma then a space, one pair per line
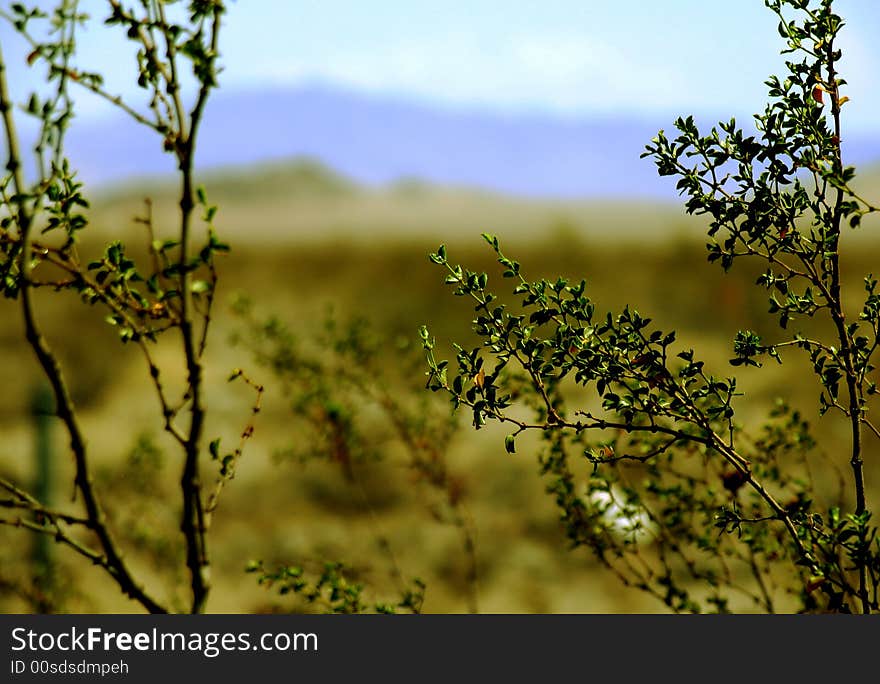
114, 562
228, 469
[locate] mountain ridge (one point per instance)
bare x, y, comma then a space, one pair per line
378, 140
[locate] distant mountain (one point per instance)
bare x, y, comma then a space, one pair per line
377, 140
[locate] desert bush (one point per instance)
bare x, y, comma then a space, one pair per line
356, 404
167, 300
643, 451
158, 297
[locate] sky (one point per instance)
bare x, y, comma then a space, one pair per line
564, 57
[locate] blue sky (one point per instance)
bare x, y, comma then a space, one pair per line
572, 57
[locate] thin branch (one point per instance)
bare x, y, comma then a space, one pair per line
843, 335
64, 404
227, 471
88, 84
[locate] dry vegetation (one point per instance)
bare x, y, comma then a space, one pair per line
305, 241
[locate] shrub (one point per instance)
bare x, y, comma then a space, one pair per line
170, 298
652, 471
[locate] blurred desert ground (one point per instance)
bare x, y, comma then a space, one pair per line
305, 240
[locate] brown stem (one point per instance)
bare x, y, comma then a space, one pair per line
193, 523
838, 316
193, 519
112, 559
